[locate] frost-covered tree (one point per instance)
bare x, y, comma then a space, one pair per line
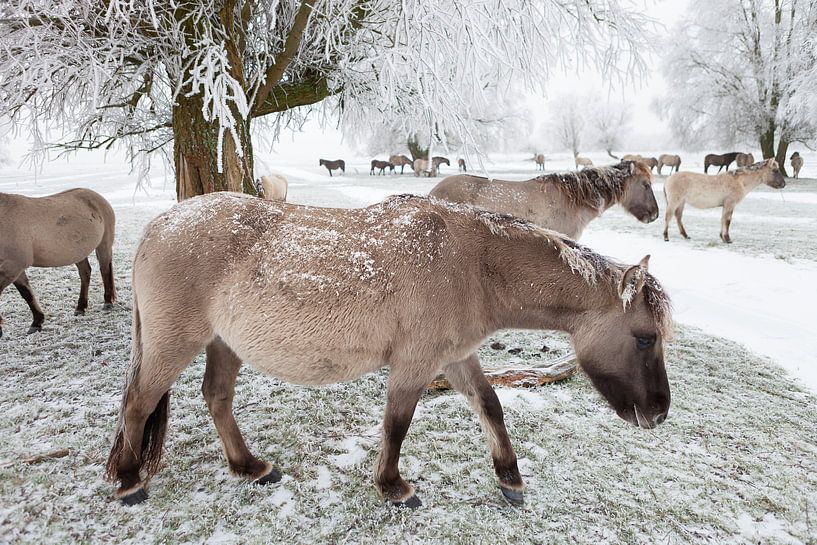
189, 77
732, 69
610, 121
566, 121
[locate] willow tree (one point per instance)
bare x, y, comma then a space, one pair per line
734, 69
189, 78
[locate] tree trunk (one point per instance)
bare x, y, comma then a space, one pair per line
610, 153
767, 143
417, 152
780, 157
195, 150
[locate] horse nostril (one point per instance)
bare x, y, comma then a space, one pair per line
659, 418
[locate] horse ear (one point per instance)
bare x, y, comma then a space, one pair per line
632, 281
632, 167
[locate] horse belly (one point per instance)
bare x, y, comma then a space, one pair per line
312, 368
68, 240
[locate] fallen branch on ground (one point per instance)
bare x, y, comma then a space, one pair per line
537, 375
37, 459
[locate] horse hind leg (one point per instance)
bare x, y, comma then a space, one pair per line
218, 390
104, 255
679, 213
140, 435
84, 269
24, 288
467, 378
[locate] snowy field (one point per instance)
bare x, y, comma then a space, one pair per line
736, 461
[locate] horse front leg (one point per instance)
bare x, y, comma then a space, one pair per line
467, 378
22, 285
84, 269
219, 389
726, 221
404, 391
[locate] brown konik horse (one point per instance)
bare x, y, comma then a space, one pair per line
720, 161
54, 231
382, 165
672, 161
333, 165
322, 295
796, 164
565, 202
720, 190
399, 161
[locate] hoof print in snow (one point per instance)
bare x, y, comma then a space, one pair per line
135, 498
515, 351
497, 346
514, 497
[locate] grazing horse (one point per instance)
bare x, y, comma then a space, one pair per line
725, 190
421, 166
796, 163
672, 161
437, 161
461, 165
382, 165
323, 295
333, 165
744, 160
273, 187
540, 161
583, 162
564, 202
651, 162
719, 161
54, 231
399, 161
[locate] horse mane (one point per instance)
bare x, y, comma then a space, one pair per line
595, 187
589, 265
760, 165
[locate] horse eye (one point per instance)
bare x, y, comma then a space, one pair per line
644, 342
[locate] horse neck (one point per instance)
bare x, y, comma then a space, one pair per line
752, 180
529, 286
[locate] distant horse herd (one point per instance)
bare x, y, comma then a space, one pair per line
323, 295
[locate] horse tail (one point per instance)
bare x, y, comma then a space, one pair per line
109, 275
156, 423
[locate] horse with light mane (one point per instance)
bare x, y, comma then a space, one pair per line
565, 202
540, 161
54, 231
399, 161
321, 295
382, 165
333, 165
720, 161
272, 187
744, 160
461, 165
583, 162
796, 163
720, 190
423, 167
672, 161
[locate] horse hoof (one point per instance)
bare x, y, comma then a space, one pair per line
411, 503
514, 497
107, 306
79, 312
34, 329
272, 477
135, 498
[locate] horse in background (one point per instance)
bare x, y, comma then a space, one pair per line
565, 202
720, 190
55, 231
720, 161
796, 163
273, 187
583, 162
461, 165
382, 165
672, 161
333, 165
540, 161
744, 160
399, 161
423, 167
438, 160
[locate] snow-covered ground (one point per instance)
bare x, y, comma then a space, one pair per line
736, 461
